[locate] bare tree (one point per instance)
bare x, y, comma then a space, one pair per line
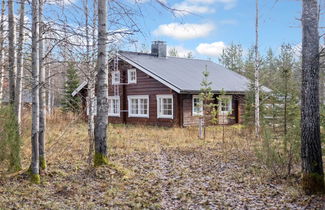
90, 80
2, 49
311, 150
101, 88
12, 61
42, 93
35, 93
20, 63
256, 76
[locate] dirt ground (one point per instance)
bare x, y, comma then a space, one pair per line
154, 168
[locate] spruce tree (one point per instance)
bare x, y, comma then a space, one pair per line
69, 102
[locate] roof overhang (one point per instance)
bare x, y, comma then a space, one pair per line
79, 88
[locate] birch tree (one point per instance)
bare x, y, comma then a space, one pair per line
2, 49
20, 60
42, 93
102, 88
11, 58
311, 150
35, 177
256, 77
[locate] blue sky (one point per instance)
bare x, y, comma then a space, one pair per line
217, 23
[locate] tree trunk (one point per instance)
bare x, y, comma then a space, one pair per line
11, 57
256, 75
91, 95
35, 94
102, 89
20, 63
49, 90
311, 150
2, 50
42, 93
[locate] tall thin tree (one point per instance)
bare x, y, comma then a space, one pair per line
42, 93
311, 150
20, 63
11, 58
35, 93
102, 88
256, 75
3, 8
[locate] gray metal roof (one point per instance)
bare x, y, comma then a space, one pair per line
186, 74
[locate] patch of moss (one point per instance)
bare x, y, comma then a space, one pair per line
42, 163
100, 159
35, 178
313, 183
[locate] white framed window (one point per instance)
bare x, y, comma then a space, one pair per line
165, 106
138, 106
115, 77
114, 106
197, 106
225, 104
132, 76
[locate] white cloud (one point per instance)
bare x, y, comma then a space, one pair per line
211, 49
181, 51
61, 2
184, 31
184, 8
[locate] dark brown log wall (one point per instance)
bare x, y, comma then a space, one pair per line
145, 85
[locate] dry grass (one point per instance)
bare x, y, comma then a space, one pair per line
151, 167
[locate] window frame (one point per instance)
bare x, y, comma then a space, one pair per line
114, 82
138, 97
162, 116
112, 114
229, 98
194, 113
130, 71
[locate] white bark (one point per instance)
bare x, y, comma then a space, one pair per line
91, 89
11, 57
35, 93
42, 93
102, 88
2, 50
20, 63
256, 75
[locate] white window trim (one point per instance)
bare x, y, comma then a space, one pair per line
193, 111
138, 97
129, 76
161, 115
111, 114
113, 77
230, 105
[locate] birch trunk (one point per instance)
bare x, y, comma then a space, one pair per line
35, 93
101, 89
49, 90
11, 57
311, 150
90, 92
256, 76
42, 94
20, 60
2, 50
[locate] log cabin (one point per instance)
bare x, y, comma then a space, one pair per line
156, 89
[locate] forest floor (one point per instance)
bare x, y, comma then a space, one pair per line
150, 167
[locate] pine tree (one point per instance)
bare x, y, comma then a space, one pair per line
71, 103
232, 58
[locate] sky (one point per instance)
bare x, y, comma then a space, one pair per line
206, 27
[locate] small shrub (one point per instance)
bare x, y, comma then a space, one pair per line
10, 141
